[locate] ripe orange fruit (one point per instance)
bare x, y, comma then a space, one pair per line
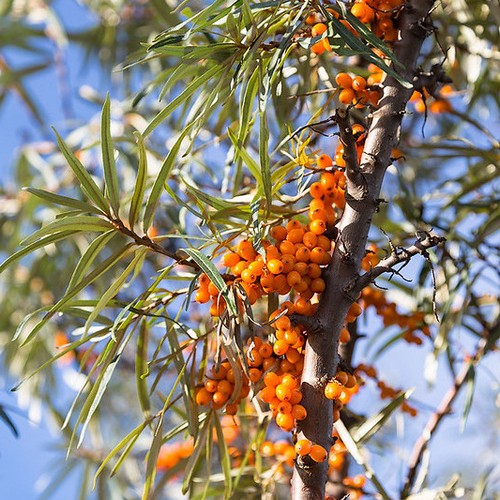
318, 453
303, 447
344, 80
285, 421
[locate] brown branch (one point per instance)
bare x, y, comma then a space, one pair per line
435, 419
321, 355
146, 241
398, 256
356, 182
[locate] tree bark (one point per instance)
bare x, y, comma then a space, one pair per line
362, 193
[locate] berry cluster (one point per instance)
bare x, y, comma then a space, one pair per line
355, 486
386, 391
218, 388
355, 90
172, 453
435, 104
388, 311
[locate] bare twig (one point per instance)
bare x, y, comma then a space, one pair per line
435, 419
397, 256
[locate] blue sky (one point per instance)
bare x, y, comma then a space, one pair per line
24, 460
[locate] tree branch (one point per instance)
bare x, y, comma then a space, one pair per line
321, 355
356, 182
398, 256
435, 419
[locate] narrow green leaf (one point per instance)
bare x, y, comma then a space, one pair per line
469, 395
76, 224
8, 421
182, 97
131, 437
40, 243
200, 444
108, 158
89, 279
224, 458
153, 453
264, 161
90, 254
247, 158
115, 287
372, 425
88, 185
141, 367
101, 384
161, 179
63, 200
353, 449
140, 182
212, 272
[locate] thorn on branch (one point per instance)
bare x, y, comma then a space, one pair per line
357, 188
398, 256
311, 324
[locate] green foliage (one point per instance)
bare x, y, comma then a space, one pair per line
215, 143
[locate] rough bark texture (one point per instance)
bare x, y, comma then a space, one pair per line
321, 357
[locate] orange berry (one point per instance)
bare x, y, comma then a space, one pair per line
316, 190
318, 285
310, 239
344, 80
278, 233
283, 392
303, 447
318, 453
266, 350
271, 379
275, 266
246, 250
288, 262
317, 254
299, 412
202, 296
290, 381
317, 226
287, 247
257, 267
225, 387
293, 277
318, 48
230, 259
267, 449
210, 385
346, 96
296, 397
324, 161
341, 377
303, 254
358, 83
333, 390
267, 283
295, 235
283, 323
293, 224
239, 267
285, 421
292, 355
203, 397
318, 29
267, 394
248, 276
280, 347
255, 375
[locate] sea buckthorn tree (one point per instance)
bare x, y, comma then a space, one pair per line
291, 197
